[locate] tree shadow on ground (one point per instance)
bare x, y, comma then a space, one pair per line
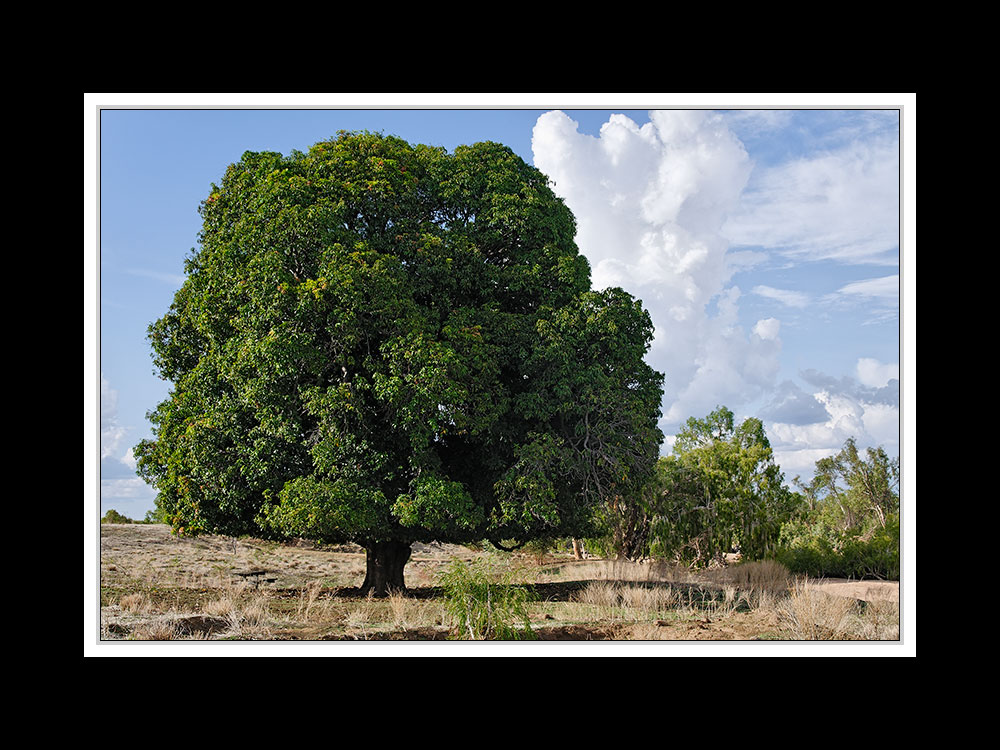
564, 591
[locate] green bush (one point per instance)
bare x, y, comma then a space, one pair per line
822, 553
113, 516
155, 516
486, 602
540, 548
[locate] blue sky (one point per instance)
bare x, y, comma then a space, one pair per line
764, 241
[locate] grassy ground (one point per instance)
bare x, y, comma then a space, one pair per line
156, 587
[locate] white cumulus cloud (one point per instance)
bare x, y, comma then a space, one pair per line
112, 432
125, 489
873, 373
650, 203
866, 409
767, 328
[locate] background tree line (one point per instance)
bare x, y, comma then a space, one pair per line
721, 492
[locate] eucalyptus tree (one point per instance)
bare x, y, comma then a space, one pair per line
720, 490
854, 490
385, 343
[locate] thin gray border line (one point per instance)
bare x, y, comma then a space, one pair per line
901, 181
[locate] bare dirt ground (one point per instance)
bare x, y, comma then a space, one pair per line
155, 586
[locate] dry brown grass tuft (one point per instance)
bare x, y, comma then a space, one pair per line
157, 630
137, 603
363, 615
226, 604
650, 600
307, 599
813, 615
252, 621
879, 621
624, 601
400, 610
602, 594
246, 610
765, 575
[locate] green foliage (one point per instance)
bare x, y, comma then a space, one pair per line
848, 523
113, 516
625, 521
541, 547
383, 341
486, 601
850, 490
720, 491
602, 545
819, 553
156, 515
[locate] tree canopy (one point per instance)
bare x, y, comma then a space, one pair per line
385, 343
851, 490
720, 490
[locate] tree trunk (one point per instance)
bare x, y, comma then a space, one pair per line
385, 563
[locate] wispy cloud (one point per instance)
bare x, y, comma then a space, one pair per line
878, 297
784, 296
758, 121
839, 205
173, 279
884, 288
125, 489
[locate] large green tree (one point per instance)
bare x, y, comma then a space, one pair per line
386, 343
720, 490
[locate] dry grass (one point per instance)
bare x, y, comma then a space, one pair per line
766, 575
157, 630
160, 588
651, 600
307, 599
620, 602
879, 621
135, 603
625, 570
246, 610
814, 615
363, 615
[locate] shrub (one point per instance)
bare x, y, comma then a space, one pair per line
601, 546
485, 601
113, 516
848, 554
540, 548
